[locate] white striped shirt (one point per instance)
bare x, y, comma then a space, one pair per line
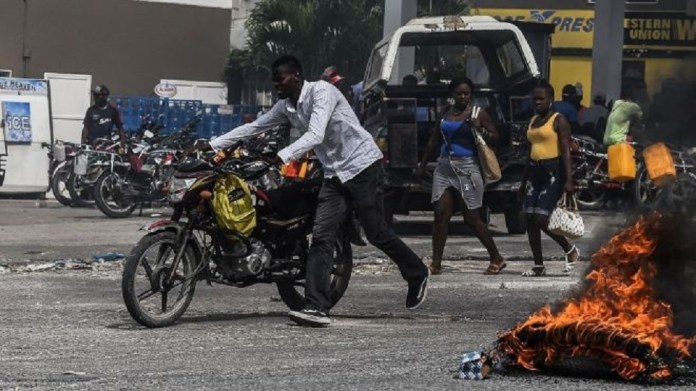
328, 125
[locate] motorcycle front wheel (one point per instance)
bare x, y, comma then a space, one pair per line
59, 184
340, 277
107, 199
152, 298
645, 193
591, 197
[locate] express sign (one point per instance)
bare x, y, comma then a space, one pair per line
575, 28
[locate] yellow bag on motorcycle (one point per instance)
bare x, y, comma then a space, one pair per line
233, 205
622, 162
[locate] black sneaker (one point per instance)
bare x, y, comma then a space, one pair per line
417, 292
311, 318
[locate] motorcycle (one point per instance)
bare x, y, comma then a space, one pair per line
591, 176
122, 186
86, 167
193, 246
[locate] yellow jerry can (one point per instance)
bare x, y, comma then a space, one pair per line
622, 162
660, 165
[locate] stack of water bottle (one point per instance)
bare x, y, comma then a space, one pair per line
173, 114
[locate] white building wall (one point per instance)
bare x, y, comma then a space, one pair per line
201, 3
240, 12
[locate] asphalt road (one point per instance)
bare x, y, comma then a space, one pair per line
69, 330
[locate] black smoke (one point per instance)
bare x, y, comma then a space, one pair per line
675, 259
670, 114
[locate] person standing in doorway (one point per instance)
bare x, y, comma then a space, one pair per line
457, 181
353, 179
101, 118
547, 176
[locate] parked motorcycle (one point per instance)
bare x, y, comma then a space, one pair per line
123, 186
87, 166
591, 176
161, 272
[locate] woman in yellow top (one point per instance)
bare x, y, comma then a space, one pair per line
547, 176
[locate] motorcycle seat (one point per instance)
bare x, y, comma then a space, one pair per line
253, 170
194, 174
193, 165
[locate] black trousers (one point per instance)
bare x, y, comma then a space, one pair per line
364, 194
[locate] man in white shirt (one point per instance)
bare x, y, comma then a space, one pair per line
353, 178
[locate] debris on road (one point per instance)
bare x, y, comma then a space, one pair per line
68, 264
74, 373
474, 366
108, 257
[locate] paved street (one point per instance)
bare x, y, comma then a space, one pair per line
68, 329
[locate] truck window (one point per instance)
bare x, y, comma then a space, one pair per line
374, 66
437, 64
510, 59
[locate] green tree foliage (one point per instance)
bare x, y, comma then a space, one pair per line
442, 7
319, 32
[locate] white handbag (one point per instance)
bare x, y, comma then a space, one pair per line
565, 219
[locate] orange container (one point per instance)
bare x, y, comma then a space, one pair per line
294, 169
660, 165
622, 162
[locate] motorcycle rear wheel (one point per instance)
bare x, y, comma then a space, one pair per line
80, 193
103, 197
144, 278
340, 277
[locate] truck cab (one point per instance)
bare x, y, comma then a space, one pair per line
496, 56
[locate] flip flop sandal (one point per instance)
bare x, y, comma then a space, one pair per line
495, 269
568, 264
536, 271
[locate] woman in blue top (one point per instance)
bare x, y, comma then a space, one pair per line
457, 180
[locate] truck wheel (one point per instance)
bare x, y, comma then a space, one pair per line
516, 219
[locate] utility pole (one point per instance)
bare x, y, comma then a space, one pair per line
26, 53
607, 44
396, 14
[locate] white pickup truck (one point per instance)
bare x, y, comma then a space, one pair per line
501, 58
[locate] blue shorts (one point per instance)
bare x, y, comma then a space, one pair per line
544, 186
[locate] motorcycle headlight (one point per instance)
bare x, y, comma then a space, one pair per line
178, 187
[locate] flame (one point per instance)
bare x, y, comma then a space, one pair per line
616, 319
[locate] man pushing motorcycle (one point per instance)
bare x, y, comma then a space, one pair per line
353, 178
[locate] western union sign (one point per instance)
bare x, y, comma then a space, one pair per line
575, 28
659, 28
